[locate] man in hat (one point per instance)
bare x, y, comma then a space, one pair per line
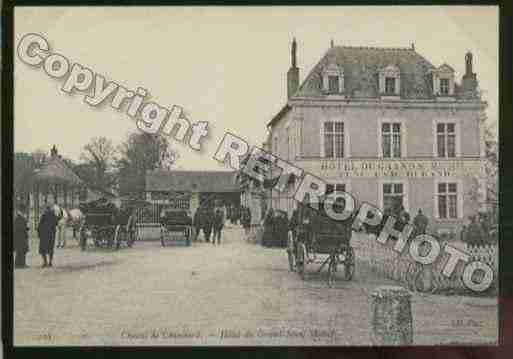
21, 245
218, 225
420, 222
474, 232
46, 232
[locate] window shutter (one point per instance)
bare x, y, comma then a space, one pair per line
341, 82
325, 82
398, 85
381, 82
436, 84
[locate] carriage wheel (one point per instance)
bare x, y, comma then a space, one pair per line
130, 240
349, 264
110, 233
117, 235
187, 237
162, 239
290, 253
301, 261
332, 268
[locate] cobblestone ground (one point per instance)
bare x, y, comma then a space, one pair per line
238, 293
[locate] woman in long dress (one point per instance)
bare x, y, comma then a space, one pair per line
46, 232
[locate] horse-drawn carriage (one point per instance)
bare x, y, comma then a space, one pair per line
317, 238
175, 224
107, 225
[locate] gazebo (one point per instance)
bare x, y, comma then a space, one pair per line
54, 182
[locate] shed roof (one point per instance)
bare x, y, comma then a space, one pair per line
194, 181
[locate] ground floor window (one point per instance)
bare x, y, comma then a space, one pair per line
447, 198
393, 197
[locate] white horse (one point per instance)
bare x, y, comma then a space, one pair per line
62, 216
75, 220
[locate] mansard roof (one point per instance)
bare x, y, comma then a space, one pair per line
361, 66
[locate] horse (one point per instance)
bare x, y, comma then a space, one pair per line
75, 220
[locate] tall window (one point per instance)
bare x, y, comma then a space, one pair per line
447, 200
393, 197
446, 139
390, 85
333, 139
332, 187
391, 139
333, 86
444, 86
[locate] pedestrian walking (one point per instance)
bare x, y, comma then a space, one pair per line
420, 222
196, 222
282, 229
218, 225
21, 244
46, 231
61, 226
269, 221
208, 222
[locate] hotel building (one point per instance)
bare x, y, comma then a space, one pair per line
389, 127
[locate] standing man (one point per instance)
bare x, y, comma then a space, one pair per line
21, 245
208, 221
196, 222
46, 232
420, 222
218, 225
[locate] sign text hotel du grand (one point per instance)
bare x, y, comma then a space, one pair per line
419, 168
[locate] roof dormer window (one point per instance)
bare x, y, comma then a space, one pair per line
390, 81
443, 81
333, 79
333, 84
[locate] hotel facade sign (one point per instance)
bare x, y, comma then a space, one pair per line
418, 168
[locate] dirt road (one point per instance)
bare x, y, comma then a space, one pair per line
235, 294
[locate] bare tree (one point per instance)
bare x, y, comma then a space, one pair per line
100, 155
139, 153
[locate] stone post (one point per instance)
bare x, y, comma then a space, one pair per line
391, 316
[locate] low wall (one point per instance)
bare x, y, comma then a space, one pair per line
385, 261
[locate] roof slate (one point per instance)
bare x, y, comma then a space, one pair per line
202, 181
361, 67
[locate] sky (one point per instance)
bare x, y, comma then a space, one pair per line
224, 65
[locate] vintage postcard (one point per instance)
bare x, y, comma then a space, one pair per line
269, 176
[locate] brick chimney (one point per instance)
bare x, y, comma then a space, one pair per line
469, 81
293, 73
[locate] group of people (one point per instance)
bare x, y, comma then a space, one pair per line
478, 231
51, 223
209, 219
276, 227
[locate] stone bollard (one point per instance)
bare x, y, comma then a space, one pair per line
391, 316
